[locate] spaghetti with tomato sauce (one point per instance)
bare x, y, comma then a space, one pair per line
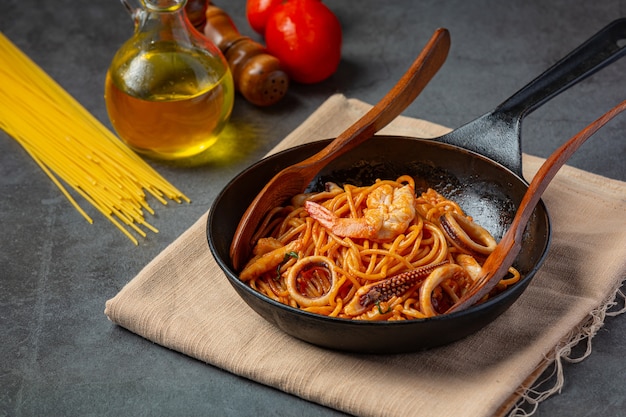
375, 252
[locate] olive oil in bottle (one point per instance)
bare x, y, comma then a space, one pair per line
169, 91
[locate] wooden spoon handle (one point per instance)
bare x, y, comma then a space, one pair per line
550, 167
393, 103
295, 178
499, 261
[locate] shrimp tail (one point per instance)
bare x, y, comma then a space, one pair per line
320, 213
345, 227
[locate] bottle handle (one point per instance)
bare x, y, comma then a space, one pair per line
136, 13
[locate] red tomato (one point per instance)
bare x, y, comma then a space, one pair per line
305, 36
257, 12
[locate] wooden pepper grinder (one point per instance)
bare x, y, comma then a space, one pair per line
257, 74
195, 10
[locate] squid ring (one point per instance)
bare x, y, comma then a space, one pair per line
434, 279
466, 235
311, 264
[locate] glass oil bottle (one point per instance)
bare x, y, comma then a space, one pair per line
168, 91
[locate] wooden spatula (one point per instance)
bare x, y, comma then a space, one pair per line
295, 178
498, 262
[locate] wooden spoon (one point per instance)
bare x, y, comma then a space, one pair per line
295, 178
498, 262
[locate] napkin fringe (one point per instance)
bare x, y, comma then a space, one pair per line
530, 398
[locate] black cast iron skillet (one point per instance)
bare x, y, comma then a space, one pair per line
478, 165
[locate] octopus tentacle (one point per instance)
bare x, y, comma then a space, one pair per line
369, 295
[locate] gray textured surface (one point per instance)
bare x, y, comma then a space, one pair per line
60, 356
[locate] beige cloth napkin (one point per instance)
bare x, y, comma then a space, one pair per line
182, 301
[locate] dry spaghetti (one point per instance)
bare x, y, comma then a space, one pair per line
71, 145
375, 252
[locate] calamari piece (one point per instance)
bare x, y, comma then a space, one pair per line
267, 261
318, 268
369, 295
265, 245
467, 236
471, 266
435, 279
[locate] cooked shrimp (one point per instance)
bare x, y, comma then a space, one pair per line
389, 212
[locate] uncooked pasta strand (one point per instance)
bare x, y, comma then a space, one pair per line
71, 145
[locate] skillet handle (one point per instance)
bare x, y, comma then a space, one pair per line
497, 134
602, 49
